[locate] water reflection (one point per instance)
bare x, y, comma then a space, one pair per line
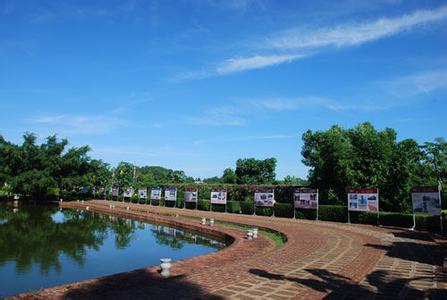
41, 241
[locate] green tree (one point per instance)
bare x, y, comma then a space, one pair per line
254, 171
435, 160
229, 176
363, 157
292, 180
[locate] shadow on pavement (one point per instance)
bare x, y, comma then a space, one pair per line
382, 285
139, 284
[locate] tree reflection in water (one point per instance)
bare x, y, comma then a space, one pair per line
37, 234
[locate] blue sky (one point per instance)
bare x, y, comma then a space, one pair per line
195, 85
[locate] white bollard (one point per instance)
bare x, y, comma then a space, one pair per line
87, 208
165, 267
255, 232
127, 208
203, 221
211, 222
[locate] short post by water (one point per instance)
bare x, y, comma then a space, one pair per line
211, 222
165, 266
203, 222
255, 232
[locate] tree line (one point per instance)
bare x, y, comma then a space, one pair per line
365, 157
337, 158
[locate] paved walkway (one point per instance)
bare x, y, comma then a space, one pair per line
319, 260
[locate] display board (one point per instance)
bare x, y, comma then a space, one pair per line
156, 193
115, 192
218, 196
363, 199
142, 193
306, 198
191, 194
128, 192
84, 190
265, 197
426, 200
170, 194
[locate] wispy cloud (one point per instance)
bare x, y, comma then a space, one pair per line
233, 65
219, 116
286, 104
298, 43
230, 4
249, 138
416, 84
80, 124
351, 34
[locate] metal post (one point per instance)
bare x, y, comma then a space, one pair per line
378, 210
441, 225
349, 217
318, 208
414, 222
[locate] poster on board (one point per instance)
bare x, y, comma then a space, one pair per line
426, 200
306, 198
363, 199
218, 196
265, 197
142, 193
170, 194
115, 192
156, 193
128, 192
190, 195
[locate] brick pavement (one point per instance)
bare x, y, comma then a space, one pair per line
319, 260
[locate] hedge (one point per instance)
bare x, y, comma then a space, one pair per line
240, 201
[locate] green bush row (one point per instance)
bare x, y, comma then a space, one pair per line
334, 213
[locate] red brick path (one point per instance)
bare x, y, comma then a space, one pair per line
320, 259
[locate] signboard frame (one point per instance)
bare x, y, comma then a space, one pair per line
362, 191
142, 195
258, 195
194, 193
171, 198
219, 192
306, 190
427, 190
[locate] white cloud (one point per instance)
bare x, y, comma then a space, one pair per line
220, 116
315, 40
233, 65
353, 33
285, 104
80, 124
415, 84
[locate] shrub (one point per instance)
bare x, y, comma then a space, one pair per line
336, 213
264, 211
191, 205
169, 203
218, 207
234, 207
204, 205
247, 208
306, 214
284, 210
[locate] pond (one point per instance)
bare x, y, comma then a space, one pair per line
43, 246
